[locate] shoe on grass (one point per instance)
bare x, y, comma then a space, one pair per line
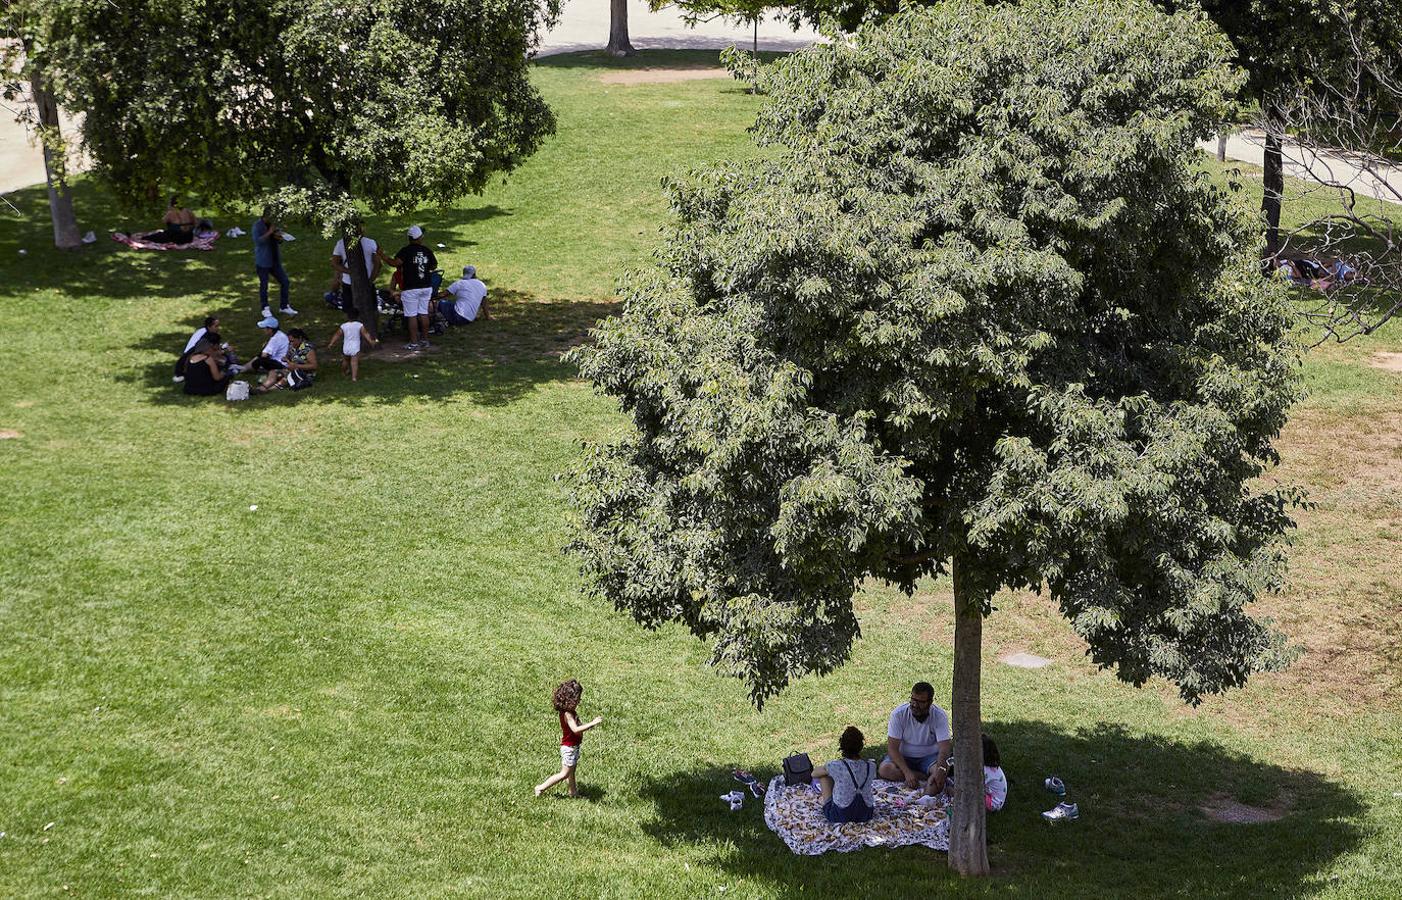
1062, 812
1055, 785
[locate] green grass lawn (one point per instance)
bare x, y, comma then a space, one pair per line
346, 691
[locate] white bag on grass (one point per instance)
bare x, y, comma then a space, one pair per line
237, 391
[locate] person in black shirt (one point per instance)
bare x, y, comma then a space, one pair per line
416, 264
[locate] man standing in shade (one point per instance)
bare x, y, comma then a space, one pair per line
416, 263
267, 259
918, 741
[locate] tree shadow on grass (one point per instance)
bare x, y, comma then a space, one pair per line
490, 363
1142, 831
107, 269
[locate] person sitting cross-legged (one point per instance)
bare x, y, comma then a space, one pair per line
845, 783
917, 741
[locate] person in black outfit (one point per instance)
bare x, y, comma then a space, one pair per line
204, 370
416, 264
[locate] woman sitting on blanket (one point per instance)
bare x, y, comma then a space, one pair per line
846, 783
179, 225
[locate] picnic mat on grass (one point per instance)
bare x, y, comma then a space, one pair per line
793, 813
203, 241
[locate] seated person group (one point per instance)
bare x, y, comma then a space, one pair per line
918, 753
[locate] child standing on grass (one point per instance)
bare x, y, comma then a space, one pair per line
566, 701
350, 333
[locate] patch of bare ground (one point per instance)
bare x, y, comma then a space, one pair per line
1391, 362
9, 434
660, 76
1224, 809
1343, 607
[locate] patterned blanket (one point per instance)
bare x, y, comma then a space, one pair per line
902, 818
203, 241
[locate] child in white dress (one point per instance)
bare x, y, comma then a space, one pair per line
350, 333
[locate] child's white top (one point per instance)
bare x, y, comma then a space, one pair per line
350, 338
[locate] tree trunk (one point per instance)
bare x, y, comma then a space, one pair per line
968, 845
1222, 145
618, 29
1273, 179
362, 290
66, 234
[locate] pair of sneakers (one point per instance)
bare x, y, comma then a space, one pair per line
287, 311
736, 799
1063, 811
417, 345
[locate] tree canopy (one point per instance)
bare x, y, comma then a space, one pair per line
392, 103
978, 307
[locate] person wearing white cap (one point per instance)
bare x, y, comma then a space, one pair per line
416, 264
469, 299
273, 358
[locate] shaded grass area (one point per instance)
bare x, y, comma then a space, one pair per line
345, 691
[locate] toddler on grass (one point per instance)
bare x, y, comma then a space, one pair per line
350, 333
566, 701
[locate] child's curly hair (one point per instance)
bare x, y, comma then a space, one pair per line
566, 696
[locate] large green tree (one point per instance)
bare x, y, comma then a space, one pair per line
976, 312
318, 104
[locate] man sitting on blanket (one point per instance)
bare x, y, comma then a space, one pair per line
917, 741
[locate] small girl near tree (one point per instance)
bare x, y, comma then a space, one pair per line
350, 333
566, 701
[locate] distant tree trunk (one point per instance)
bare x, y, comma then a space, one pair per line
66, 234
1222, 145
1273, 180
968, 844
362, 290
618, 29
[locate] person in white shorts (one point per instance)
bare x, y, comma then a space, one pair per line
350, 333
416, 263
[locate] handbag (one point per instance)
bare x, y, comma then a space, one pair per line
238, 390
798, 769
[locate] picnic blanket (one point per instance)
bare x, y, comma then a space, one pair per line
203, 241
901, 819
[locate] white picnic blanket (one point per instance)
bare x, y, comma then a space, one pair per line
902, 818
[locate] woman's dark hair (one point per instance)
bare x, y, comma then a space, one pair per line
990, 753
852, 742
213, 337
210, 320
566, 696
297, 333
173, 198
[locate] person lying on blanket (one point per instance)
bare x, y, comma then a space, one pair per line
917, 740
846, 783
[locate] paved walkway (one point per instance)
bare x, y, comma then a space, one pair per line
584, 25
1249, 146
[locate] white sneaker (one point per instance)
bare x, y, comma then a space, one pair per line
411, 346
424, 345
267, 313
178, 379
287, 311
